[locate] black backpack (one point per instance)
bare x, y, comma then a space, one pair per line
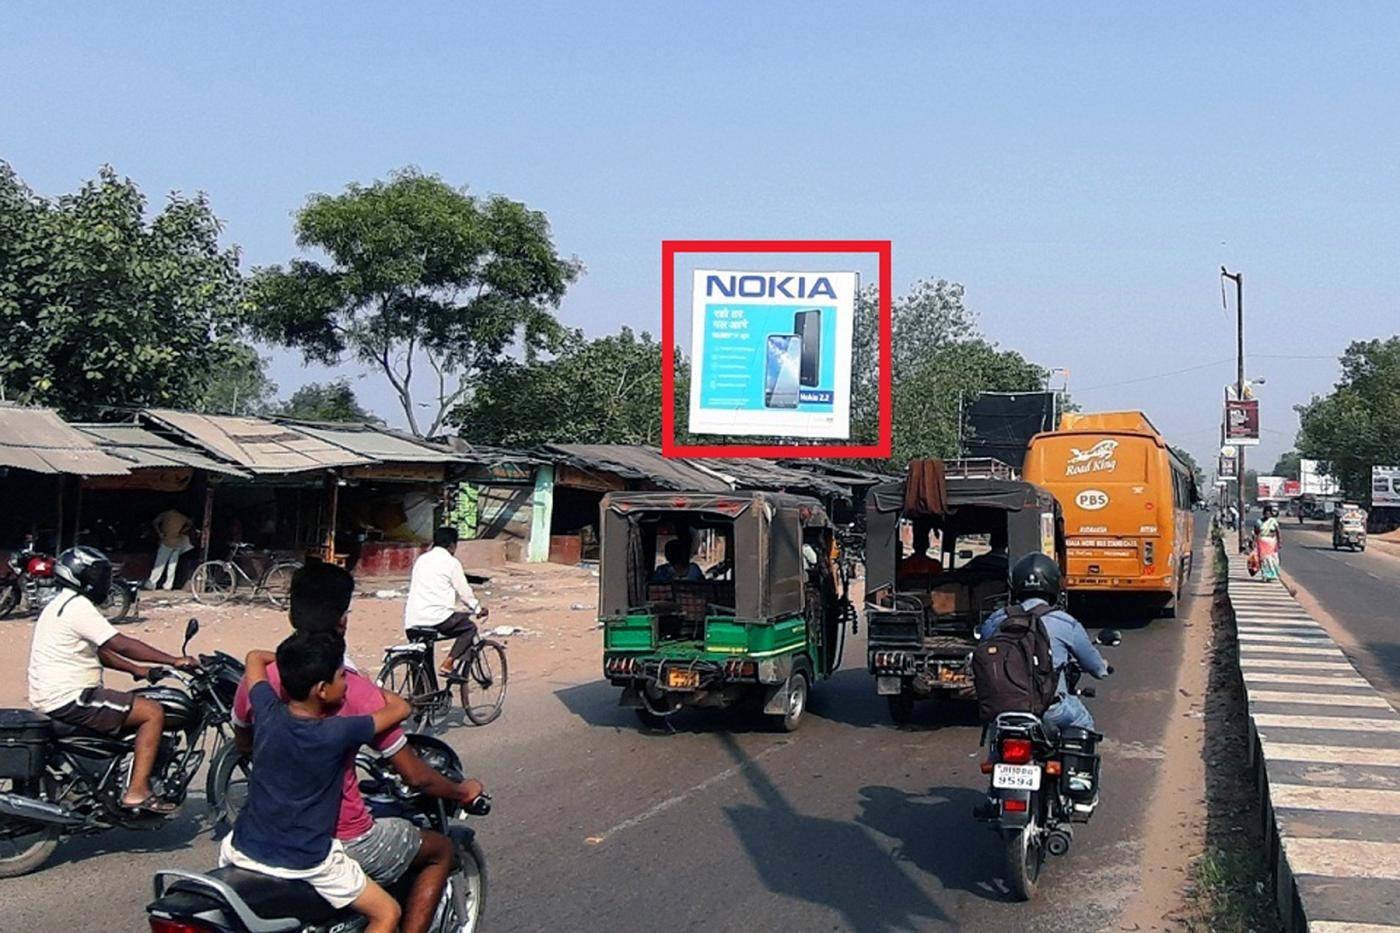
1013, 670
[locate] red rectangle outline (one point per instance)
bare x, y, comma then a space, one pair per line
884, 446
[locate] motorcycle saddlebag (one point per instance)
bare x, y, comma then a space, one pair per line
1079, 758
24, 737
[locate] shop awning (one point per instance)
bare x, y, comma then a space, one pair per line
36, 439
147, 450
257, 446
377, 443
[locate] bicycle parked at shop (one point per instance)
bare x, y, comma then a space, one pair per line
215, 582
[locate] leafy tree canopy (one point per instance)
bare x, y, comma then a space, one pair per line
326, 401
1288, 466
603, 391
417, 273
1357, 426
104, 309
237, 384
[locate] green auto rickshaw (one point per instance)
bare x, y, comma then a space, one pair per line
758, 615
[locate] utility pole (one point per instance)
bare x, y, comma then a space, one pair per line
1238, 278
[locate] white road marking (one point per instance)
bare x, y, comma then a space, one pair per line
1300, 664
1340, 799
1341, 723
1342, 926
1281, 638
1331, 754
1321, 680
1290, 649
1320, 699
1343, 858
680, 798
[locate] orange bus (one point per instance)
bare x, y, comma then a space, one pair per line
1127, 501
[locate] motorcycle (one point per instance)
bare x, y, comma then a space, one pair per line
58, 780
31, 584
1042, 782
232, 900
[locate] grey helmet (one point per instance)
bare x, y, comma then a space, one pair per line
86, 570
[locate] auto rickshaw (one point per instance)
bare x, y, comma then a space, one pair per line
925, 602
762, 623
1349, 528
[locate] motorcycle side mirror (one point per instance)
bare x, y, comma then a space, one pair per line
1110, 637
191, 629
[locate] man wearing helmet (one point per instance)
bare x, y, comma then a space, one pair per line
72, 643
1035, 581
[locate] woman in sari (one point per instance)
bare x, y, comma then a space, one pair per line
1267, 544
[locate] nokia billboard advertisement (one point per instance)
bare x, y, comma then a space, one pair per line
771, 353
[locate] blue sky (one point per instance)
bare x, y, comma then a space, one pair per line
1083, 172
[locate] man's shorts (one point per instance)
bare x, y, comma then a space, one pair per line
98, 709
338, 879
387, 849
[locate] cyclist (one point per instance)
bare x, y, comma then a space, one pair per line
438, 584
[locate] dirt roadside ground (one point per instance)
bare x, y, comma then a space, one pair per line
553, 606
1175, 822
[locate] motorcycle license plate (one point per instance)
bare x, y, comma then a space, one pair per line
1016, 777
683, 680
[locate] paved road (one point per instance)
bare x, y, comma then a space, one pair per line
848, 824
1360, 591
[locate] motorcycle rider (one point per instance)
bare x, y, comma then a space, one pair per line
1035, 581
385, 848
72, 644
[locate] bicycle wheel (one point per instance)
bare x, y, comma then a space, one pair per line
213, 582
483, 676
404, 676
277, 585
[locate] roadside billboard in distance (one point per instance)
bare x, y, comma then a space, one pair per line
771, 353
1313, 482
1385, 486
1271, 487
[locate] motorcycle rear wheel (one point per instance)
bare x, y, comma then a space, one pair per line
24, 846
118, 603
471, 875
1024, 858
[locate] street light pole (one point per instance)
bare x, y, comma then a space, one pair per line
1238, 278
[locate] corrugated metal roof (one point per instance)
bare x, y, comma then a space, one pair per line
256, 445
37, 439
638, 463
378, 443
755, 473
146, 449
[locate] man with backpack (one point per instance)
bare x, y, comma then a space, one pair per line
1010, 664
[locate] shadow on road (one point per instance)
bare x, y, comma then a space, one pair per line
910, 819
174, 835
831, 863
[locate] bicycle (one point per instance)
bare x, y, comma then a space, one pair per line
214, 582
411, 671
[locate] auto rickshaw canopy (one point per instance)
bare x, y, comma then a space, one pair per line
768, 532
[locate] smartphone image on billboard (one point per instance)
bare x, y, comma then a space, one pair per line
781, 371
808, 324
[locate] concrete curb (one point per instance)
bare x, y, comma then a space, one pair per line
1326, 750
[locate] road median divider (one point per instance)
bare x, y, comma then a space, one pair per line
1326, 754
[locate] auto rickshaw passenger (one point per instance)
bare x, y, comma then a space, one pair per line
919, 567
678, 567
996, 562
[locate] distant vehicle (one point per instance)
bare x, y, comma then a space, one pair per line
1127, 500
1349, 528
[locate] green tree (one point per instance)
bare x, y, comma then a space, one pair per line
237, 384
603, 391
1288, 466
104, 309
418, 274
1357, 426
326, 401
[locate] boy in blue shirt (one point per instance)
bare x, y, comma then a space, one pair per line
287, 827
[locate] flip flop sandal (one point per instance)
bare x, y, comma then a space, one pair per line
153, 805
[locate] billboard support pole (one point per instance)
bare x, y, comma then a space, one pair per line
1238, 278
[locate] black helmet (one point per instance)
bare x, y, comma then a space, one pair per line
85, 569
1036, 575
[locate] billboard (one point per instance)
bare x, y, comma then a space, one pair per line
1271, 487
771, 353
1314, 482
1001, 424
1227, 468
1242, 421
1385, 486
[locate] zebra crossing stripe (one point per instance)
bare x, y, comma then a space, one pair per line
1343, 858
1340, 723
1342, 926
1299, 664
1318, 680
1331, 754
1320, 699
1339, 799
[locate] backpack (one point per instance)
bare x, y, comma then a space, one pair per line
1013, 670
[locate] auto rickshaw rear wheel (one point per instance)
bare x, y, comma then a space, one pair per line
797, 692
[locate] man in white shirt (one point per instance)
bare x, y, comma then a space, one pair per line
436, 587
72, 643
